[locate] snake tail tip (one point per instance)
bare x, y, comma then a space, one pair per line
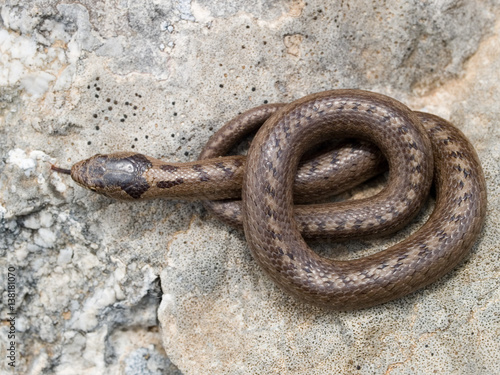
59, 170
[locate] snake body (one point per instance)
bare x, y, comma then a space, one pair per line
416, 146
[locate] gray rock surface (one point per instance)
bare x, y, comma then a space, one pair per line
159, 77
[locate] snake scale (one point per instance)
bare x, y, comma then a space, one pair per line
417, 146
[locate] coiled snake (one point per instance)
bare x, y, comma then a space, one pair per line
416, 146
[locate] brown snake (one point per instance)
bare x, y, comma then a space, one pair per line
416, 146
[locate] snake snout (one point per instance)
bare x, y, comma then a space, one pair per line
90, 173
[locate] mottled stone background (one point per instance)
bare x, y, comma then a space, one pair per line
159, 287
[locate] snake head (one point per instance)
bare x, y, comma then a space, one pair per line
118, 175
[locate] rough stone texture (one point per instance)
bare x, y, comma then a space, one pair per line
78, 78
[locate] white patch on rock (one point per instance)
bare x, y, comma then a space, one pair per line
45, 238
19, 158
65, 256
86, 318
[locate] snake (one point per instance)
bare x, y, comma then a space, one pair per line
369, 132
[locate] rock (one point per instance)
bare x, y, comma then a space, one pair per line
160, 77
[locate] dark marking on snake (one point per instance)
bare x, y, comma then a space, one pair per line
227, 170
169, 184
204, 176
169, 168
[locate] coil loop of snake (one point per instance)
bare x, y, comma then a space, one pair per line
417, 146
